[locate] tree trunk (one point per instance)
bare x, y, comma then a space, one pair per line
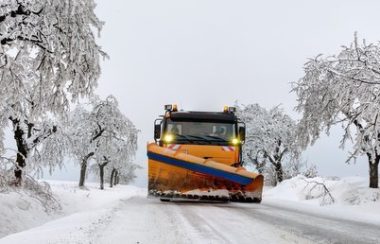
117, 177
279, 172
374, 172
101, 174
22, 151
21, 135
112, 177
276, 162
83, 169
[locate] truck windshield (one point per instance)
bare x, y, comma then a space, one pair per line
201, 131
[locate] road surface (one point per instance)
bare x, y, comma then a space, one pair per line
141, 220
228, 223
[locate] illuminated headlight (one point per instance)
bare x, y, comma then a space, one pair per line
168, 138
235, 141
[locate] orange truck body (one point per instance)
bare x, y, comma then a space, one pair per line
200, 169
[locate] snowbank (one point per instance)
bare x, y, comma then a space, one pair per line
74, 199
21, 210
348, 197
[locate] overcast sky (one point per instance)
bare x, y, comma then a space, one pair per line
204, 54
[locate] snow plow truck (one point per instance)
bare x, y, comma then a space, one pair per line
197, 156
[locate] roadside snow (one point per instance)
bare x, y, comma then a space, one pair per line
141, 220
74, 199
292, 212
20, 211
352, 198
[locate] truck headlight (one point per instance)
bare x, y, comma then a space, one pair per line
235, 141
168, 138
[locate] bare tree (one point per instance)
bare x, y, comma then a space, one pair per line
344, 89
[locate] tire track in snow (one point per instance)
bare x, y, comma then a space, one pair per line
140, 220
216, 223
205, 231
318, 229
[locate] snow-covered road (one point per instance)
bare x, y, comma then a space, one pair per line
163, 222
141, 220
230, 223
316, 227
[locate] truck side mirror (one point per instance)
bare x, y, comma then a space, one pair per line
242, 133
157, 131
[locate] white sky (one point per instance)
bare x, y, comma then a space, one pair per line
203, 54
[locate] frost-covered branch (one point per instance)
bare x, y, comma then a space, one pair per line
48, 58
104, 134
343, 89
322, 191
271, 138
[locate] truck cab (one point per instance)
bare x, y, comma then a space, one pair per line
217, 136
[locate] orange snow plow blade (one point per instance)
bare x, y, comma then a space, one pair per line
177, 175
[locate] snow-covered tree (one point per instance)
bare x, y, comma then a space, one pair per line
3, 123
121, 169
82, 137
114, 153
344, 89
271, 138
103, 134
125, 173
51, 152
48, 56
114, 170
300, 167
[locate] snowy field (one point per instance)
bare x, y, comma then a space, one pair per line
293, 212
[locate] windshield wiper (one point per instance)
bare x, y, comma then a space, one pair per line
205, 139
217, 138
183, 137
199, 138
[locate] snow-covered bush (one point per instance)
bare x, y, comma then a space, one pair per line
6, 173
317, 189
301, 188
38, 190
42, 192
